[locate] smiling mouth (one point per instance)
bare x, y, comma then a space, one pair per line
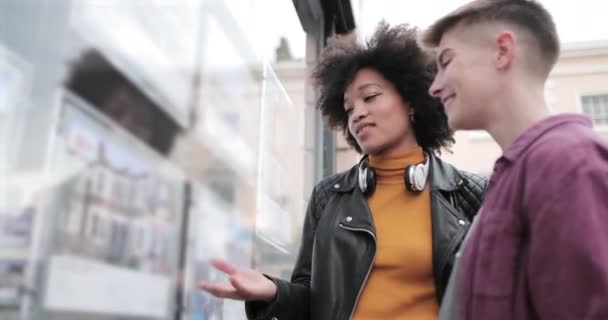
363, 127
447, 99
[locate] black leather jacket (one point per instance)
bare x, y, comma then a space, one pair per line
338, 244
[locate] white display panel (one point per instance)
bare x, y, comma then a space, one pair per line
81, 284
117, 208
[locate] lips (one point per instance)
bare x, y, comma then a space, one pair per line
361, 128
447, 99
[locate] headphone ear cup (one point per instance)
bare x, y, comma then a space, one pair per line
415, 177
367, 179
371, 181
407, 180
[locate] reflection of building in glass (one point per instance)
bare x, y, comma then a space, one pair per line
15, 240
286, 178
15, 230
283, 52
120, 217
106, 213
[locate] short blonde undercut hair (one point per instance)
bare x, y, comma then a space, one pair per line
527, 15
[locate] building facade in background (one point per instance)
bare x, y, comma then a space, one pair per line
577, 84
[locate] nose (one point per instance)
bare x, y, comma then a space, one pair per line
359, 112
436, 87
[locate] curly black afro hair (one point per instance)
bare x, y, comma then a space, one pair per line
395, 54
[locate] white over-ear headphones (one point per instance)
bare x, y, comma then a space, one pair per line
417, 175
414, 177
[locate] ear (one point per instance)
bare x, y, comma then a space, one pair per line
505, 50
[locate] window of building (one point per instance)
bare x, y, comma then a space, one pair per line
596, 106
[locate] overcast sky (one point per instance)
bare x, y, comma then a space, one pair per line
579, 20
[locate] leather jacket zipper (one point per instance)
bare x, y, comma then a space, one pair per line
452, 248
457, 240
368, 270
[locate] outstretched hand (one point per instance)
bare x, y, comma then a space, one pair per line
243, 284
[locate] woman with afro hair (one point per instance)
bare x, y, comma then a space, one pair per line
379, 239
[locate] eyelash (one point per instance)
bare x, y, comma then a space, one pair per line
370, 97
444, 64
365, 99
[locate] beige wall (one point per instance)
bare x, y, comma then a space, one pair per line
581, 69
474, 152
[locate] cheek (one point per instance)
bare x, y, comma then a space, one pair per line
350, 128
454, 81
398, 124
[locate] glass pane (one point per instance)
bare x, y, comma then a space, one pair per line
160, 134
587, 109
597, 107
251, 122
586, 100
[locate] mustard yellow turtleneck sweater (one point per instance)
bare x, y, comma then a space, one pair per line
400, 285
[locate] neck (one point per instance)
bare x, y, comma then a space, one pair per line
517, 109
390, 168
407, 144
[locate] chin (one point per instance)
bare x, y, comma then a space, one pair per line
453, 123
463, 125
369, 149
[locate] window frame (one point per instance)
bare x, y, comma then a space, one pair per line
581, 109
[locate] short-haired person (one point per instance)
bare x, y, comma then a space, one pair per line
379, 239
539, 246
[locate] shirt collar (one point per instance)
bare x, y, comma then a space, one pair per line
536, 131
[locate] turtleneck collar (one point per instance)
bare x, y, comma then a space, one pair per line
390, 168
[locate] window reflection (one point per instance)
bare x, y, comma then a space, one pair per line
167, 133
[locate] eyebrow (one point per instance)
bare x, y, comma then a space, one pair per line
365, 85
361, 87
